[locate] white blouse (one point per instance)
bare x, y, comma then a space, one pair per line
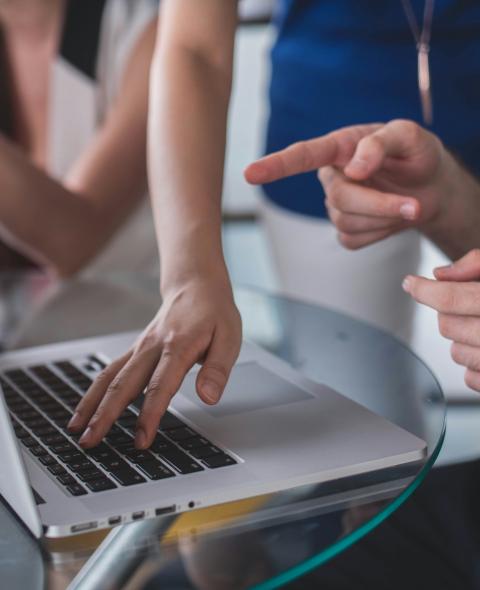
98, 38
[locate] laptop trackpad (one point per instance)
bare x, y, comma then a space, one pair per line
251, 387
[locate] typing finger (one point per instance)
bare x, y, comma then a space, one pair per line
127, 385
90, 401
164, 384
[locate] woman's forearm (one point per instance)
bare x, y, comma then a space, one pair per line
40, 218
187, 135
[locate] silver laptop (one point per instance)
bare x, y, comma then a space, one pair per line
273, 430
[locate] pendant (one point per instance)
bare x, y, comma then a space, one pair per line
424, 83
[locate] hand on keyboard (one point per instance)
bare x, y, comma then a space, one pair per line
194, 324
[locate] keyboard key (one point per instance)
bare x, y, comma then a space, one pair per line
80, 465
127, 476
203, 452
100, 485
63, 449
155, 470
120, 438
47, 460
77, 490
161, 444
37, 450
194, 443
53, 439
179, 434
181, 462
57, 469
69, 456
170, 421
91, 475
218, 461
29, 441
20, 432
42, 431
66, 479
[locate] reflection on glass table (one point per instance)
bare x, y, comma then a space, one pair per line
264, 541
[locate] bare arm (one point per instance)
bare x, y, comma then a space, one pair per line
198, 321
190, 92
64, 225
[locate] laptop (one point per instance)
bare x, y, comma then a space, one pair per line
273, 430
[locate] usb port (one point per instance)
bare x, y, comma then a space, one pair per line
81, 528
114, 520
138, 515
165, 510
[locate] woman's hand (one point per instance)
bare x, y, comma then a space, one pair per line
455, 295
378, 179
198, 322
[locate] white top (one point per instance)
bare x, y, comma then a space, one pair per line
97, 41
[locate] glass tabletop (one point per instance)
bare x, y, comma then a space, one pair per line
262, 542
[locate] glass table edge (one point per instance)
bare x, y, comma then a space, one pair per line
344, 543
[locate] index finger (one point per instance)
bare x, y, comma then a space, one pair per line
335, 148
445, 297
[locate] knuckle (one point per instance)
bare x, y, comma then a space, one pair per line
302, 148
104, 378
471, 380
408, 128
475, 255
347, 241
456, 352
444, 325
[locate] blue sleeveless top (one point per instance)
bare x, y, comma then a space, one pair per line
342, 62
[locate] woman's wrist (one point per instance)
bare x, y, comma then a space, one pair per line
455, 228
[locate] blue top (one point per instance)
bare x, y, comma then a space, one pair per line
342, 62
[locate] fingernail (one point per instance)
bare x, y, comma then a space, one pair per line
75, 421
406, 285
211, 391
446, 267
407, 211
85, 439
140, 439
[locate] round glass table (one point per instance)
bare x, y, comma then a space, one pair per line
264, 542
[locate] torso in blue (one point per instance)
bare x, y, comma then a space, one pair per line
342, 62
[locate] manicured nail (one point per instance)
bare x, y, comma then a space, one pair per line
140, 439
407, 211
86, 437
407, 284
211, 391
74, 422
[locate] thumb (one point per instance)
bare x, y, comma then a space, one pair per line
466, 268
213, 376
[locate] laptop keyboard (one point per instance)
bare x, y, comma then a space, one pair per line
41, 400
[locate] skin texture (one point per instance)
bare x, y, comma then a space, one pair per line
198, 321
46, 220
382, 179
455, 295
